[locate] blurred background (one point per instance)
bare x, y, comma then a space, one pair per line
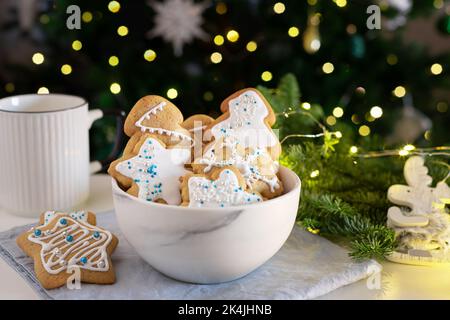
390, 84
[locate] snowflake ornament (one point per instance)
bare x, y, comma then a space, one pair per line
178, 22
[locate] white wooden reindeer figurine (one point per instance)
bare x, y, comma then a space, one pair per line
423, 232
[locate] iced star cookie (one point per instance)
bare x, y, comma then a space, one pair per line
248, 117
257, 167
64, 246
156, 115
152, 171
223, 187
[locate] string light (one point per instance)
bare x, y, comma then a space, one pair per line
314, 174
436, 69
115, 88
403, 152
122, 31
427, 135
266, 76
219, 40
399, 91
306, 105
43, 90
114, 6
338, 134
331, 120
232, 36
172, 93
293, 32
221, 8
338, 112
376, 112
434, 151
86, 17
355, 119
38, 58
279, 7
409, 147
353, 149
150, 55
364, 130
251, 46
216, 57
77, 45
66, 69
341, 3
113, 61
10, 87
328, 67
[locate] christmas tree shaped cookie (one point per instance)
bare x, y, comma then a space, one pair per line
151, 171
66, 247
223, 187
158, 116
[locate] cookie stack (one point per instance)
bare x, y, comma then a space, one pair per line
201, 161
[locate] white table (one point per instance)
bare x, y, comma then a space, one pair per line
397, 281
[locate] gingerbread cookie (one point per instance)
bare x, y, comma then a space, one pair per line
63, 244
257, 167
197, 125
248, 117
223, 187
84, 216
156, 115
152, 171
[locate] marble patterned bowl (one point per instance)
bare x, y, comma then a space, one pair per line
204, 245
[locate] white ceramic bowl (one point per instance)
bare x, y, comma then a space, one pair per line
204, 245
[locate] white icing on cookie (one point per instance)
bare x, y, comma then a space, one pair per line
246, 122
72, 243
156, 170
223, 192
76, 215
154, 111
248, 163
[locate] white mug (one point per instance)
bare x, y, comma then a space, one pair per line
44, 152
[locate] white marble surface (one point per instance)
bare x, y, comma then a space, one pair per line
397, 281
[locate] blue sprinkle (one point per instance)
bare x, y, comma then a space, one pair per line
245, 109
37, 232
63, 221
222, 205
129, 167
83, 260
69, 238
96, 235
137, 180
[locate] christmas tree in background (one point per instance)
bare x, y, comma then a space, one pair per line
326, 74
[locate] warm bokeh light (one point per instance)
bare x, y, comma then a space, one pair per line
436, 69
216, 57
66, 69
77, 45
122, 31
331, 120
221, 8
10, 87
43, 90
113, 61
341, 3
306, 105
392, 59
251, 46
376, 112
266, 76
293, 32
353, 149
232, 36
328, 67
38, 58
314, 174
219, 40
279, 7
114, 6
364, 130
86, 17
338, 112
172, 93
150, 55
399, 91
115, 88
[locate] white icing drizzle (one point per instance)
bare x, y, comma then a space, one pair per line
223, 192
154, 111
156, 170
246, 122
76, 215
246, 163
87, 248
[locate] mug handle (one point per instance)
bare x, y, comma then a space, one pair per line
95, 114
